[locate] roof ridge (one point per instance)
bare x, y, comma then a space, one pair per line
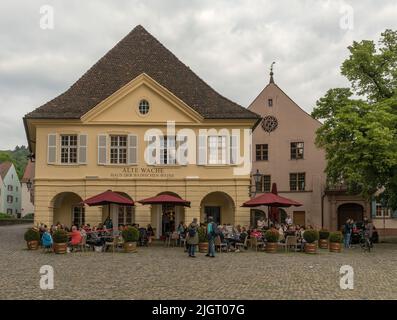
136, 53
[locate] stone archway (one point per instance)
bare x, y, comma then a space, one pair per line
346, 211
220, 206
67, 209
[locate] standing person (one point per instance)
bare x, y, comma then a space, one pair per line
192, 238
348, 233
211, 234
368, 230
260, 223
150, 233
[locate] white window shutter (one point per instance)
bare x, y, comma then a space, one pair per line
52, 148
171, 152
102, 149
182, 151
132, 149
234, 149
153, 157
83, 148
202, 150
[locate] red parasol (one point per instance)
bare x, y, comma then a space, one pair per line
166, 199
272, 201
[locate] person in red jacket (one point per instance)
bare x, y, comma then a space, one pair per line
75, 236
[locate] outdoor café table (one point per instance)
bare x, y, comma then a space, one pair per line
231, 241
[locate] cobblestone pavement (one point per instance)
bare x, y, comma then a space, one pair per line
167, 273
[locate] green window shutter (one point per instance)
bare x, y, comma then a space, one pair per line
373, 208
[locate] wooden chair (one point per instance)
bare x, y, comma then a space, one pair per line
167, 241
174, 239
257, 243
113, 245
81, 246
48, 249
182, 241
219, 244
291, 241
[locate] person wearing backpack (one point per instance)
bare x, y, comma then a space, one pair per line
192, 238
212, 233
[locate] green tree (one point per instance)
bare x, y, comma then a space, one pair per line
359, 132
18, 157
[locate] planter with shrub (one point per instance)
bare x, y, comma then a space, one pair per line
324, 236
130, 238
271, 237
335, 241
32, 238
311, 237
60, 239
203, 240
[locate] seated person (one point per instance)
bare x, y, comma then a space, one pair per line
83, 232
94, 240
256, 234
75, 236
243, 234
46, 239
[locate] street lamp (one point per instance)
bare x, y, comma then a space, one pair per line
257, 179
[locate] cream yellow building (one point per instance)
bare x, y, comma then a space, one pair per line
128, 125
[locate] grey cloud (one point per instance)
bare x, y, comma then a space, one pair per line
228, 43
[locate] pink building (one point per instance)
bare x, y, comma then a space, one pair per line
284, 153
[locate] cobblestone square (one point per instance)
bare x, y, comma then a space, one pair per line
167, 273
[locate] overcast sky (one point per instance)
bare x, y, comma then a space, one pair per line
228, 43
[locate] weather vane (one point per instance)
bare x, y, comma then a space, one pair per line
271, 72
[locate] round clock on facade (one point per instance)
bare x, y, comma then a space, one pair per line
269, 123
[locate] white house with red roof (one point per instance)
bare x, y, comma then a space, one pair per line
10, 190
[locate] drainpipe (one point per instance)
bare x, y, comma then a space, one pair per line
322, 210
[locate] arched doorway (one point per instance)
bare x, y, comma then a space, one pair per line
120, 215
67, 209
166, 218
256, 215
220, 206
349, 211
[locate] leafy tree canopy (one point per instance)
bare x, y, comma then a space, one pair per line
18, 157
359, 133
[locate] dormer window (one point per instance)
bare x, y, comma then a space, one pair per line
270, 102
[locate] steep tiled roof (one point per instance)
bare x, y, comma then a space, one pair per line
29, 172
4, 167
139, 52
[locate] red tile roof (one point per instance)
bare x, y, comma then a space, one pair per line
4, 167
29, 172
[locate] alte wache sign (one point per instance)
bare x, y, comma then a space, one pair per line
142, 172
